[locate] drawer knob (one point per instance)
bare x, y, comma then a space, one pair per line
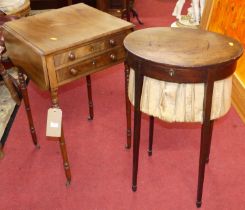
112, 42
113, 57
94, 62
73, 72
171, 72
72, 56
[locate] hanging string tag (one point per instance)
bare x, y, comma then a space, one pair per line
54, 120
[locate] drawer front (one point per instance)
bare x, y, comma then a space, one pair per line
85, 51
90, 65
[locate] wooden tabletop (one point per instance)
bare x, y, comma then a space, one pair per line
45, 32
182, 47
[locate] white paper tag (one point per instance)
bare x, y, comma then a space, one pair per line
54, 120
54, 125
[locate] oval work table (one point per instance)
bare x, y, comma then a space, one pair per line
173, 61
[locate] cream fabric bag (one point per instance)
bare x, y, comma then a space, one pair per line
174, 102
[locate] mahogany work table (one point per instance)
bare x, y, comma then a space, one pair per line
175, 57
60, 46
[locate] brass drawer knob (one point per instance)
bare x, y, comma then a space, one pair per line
73, 72
112, 42
171, 72
113, 57
71, 56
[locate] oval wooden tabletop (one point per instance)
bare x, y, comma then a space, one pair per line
182, 47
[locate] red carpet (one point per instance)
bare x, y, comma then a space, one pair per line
101, 167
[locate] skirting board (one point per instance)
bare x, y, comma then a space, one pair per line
238, 96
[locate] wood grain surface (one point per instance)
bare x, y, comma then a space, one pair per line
46, 32
202, 49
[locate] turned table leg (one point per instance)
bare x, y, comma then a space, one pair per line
1, 151
137, 124
128, 107
54, 98
130, 8
65, 157
206, 134
27, 107
126, 11
135, 14
9, 84
90, 100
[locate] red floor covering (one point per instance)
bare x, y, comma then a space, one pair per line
101, 168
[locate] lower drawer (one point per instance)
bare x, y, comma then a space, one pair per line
89, 66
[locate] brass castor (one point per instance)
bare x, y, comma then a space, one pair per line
90, 118
134, 188
37, 146
149, 152
68, 183
199, 204
127, 146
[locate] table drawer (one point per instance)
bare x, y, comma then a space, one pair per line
80, 53
91, 65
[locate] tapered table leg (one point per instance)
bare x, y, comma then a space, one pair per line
128, 107
205, 137
151, 130
90, 100
54, 98
137, 125
27, 107
209, 140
